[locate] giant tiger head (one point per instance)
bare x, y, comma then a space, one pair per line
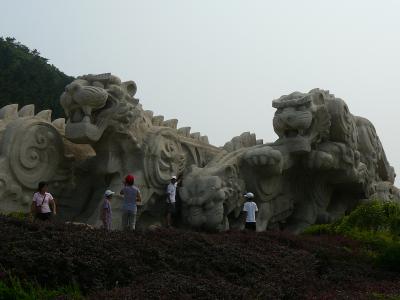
96, 103
209, 195
302, 120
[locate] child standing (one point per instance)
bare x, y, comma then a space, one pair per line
250, 208
106, 213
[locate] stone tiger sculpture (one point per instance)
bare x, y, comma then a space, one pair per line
102, 111
323, 164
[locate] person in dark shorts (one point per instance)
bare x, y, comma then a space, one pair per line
250, 208
171, 199
43, 204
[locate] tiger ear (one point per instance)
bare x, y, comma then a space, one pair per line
130, 87
317, 96
230, 171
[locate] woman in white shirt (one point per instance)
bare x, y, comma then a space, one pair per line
43, 204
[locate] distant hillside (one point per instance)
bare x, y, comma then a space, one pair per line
27, 78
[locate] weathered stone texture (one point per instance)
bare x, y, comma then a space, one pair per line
323, 164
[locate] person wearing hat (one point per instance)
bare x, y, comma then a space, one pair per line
171, 195
250, 208
131, 195
106, 213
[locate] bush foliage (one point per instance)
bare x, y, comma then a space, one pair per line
11, 288
377, 225
19, 215
174, 264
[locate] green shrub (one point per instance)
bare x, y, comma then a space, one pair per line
320, 229
374, 216
389, 257
384, 297
18, 215
13, 289
377, 225
371, 217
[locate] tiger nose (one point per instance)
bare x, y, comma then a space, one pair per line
289, 117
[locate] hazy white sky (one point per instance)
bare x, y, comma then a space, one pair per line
216, 65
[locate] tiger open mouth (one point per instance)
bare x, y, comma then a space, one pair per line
293, 133
290, 133
87, 128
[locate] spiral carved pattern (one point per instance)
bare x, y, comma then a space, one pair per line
165, 157
34, 152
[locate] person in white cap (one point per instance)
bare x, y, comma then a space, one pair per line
171, 195
250, 208
106, 213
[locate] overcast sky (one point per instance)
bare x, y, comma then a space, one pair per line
216, 65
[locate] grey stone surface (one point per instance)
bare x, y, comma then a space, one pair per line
324, 163
103, 112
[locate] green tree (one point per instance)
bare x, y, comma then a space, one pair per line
28, 78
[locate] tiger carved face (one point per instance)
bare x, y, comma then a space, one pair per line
301, 120
209, 195
95, 103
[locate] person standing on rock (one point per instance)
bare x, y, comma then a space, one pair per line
43, 204
171, 199
250, 208
129, 209
106, 212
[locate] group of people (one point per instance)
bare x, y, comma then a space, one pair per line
44, 205
131, 196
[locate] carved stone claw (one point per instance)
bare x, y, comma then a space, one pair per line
265, 157
320, 160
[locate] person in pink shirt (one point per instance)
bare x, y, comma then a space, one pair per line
106, 212
43, 204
